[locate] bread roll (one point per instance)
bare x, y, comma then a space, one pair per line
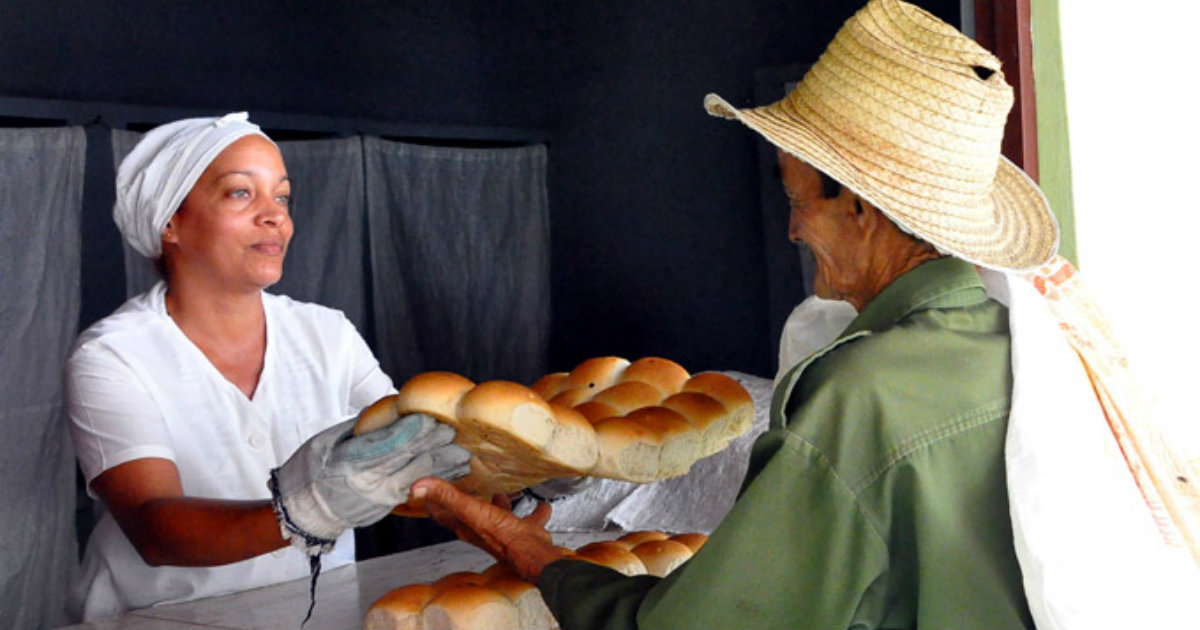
549, 385
627, 450
470, 607
633, 539
694, 541
629, 396
377, 415
510, 421
461, 578
596, 374
532, 613
434, 393
573, 443
401, 608
729, 393
707, 415
613, 556
596, 411
680, 440
663, 374
572, 397
662, 556
506, 416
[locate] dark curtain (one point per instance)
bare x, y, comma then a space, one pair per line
459, 259
41, 189
460, 250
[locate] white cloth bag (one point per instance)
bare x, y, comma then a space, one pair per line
1089, 549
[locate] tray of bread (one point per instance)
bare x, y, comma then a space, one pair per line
496, 599
637, 421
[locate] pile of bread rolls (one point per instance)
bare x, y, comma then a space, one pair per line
496, 599
634, 421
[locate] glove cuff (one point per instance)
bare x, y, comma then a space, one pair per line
310, 544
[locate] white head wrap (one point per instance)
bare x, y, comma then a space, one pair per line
158, 174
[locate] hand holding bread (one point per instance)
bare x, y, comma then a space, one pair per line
336, 480
520, 543
640, 421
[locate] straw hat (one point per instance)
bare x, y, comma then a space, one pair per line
909, 113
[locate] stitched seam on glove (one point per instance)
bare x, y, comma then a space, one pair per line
309, 544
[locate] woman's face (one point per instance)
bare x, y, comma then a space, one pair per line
233, 228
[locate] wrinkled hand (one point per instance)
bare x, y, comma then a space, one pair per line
521, 543
335, 480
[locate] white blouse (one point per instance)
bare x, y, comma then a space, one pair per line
137, 387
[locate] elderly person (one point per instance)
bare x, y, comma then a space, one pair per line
209, 416
877, 497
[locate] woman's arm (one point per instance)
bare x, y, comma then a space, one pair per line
146, 498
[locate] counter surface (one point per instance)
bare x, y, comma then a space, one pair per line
343, 594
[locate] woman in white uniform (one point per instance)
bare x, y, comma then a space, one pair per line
212, 418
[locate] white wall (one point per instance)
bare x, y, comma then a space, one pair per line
1130, 73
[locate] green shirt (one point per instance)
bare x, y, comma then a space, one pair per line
876, 498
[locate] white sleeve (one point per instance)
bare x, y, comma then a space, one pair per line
368, 382
113, 418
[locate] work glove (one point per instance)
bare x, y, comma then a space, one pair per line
336, 480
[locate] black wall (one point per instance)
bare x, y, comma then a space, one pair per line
656, 224
657, 232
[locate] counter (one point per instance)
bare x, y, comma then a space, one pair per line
343, 594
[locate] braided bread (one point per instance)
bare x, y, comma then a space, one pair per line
638, 421
495, 598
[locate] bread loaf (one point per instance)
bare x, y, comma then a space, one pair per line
638, 421
496, 599
716, 406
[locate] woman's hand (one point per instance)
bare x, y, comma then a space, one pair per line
337, 480
521, 543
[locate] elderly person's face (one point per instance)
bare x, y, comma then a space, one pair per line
825, 225
233, 227
858, 250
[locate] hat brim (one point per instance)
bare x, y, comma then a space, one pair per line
1012, 229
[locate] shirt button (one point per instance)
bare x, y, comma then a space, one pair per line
257, 440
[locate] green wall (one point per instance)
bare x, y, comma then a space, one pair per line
1054, 147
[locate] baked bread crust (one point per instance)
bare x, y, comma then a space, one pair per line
633, 421
496, 599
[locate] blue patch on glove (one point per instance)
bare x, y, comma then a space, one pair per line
384, 440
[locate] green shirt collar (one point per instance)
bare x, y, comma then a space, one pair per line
941, 283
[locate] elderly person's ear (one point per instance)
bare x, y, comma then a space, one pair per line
865, 215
